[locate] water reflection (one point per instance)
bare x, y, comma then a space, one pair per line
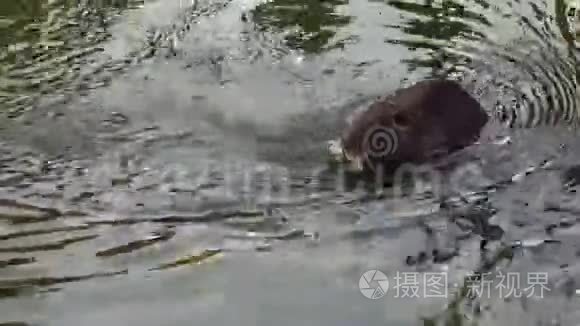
435, 26
135, 211
309, 25
517, 57
44, 44
566, 20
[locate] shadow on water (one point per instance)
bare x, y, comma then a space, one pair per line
308, 25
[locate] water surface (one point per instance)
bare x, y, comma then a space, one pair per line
164, 162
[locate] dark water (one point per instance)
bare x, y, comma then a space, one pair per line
165, 163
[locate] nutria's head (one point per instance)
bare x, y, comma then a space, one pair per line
416, 124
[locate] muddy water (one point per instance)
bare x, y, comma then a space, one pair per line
164, 162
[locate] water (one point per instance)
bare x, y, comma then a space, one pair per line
165, 162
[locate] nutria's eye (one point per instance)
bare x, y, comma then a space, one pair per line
401, 120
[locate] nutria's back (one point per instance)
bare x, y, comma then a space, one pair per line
414, 124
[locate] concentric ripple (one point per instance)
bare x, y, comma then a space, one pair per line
525, 77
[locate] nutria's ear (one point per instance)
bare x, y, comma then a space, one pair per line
402, 120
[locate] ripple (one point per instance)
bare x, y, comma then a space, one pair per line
164, 235
16, 284
149, 192
68, 51
24, 213
58, 245
524, 79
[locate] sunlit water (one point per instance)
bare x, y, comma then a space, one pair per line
165, 162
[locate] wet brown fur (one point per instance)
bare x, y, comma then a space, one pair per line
430, 118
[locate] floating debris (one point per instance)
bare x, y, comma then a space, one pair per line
190, 260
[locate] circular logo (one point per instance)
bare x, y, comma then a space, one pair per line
380, 141
373, 284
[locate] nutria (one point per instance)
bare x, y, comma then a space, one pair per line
417, 124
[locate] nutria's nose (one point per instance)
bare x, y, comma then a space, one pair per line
338, 155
